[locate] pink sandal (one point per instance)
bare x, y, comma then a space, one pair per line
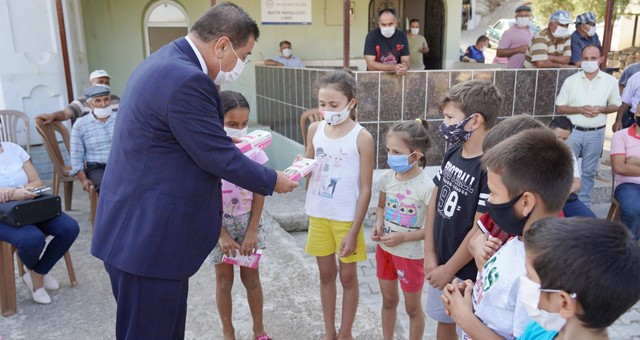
265, 336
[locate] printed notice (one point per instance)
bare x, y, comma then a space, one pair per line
286, 12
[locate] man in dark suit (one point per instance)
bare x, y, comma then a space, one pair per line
159, 213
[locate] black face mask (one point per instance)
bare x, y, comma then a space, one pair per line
502, 214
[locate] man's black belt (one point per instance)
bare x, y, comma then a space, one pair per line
580, 128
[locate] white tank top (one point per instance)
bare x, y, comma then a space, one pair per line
334, 187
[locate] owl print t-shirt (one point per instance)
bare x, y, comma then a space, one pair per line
405, 210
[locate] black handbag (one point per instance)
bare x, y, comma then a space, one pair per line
24, 212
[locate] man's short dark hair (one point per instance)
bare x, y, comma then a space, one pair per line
387, 10
475, 96
226, 19
597, 260
561, 122
414, 20
592, 45
534, 161
508, 128
285, 42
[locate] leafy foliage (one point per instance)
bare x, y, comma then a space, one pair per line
542, 9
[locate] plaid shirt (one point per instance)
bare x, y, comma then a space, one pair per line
90, 141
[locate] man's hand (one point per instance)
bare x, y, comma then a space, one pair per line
633, 160
424, 50
284, 184
46, 117
590, 111
400, 69
86, 184
616, 126
440, 276
522, 48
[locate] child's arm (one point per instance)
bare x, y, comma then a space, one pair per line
310, 152
459, 307
250, 241
378, 228
482, 247
365, 148
430, 259
442, 275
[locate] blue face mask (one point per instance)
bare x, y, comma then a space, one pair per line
400, 163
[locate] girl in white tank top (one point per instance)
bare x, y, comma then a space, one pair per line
338, 196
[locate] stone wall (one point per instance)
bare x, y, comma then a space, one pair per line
283, 94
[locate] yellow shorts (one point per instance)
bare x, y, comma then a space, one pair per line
325, 236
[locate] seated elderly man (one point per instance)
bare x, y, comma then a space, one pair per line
78, 108
551, 47
625, 161
91, 138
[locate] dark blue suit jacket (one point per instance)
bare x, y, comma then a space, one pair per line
159, 212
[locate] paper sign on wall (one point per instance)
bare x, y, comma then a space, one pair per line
286, 12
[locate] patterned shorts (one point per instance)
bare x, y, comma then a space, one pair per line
236, 226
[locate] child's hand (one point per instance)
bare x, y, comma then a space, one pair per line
377, 231
456, 299
490, 247
348, 245
236, 139
392, 239
250, 242
227, 245
298, 157
430, 264
440, 276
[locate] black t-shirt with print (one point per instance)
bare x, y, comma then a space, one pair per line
462, 191
386, 50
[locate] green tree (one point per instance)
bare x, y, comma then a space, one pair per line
542, 9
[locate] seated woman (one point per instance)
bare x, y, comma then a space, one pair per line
17, 177
625, 161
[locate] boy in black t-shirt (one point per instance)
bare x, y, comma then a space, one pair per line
386, 48
470, 109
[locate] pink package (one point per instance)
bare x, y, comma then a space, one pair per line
249, 261
255, 139
301, 168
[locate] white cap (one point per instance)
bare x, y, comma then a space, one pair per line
99, 74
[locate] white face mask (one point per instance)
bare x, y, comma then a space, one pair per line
589, 66
561, 32
102, 113
231, 132
522, 21
484, 47
529, 295
286, 52
230, 76
335, 118
415, 31
592, 31
388, 32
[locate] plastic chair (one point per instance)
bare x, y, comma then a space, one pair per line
9, 127
60, 169
8, 303
311, 115
614, 209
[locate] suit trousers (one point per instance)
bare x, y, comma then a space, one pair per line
148, 308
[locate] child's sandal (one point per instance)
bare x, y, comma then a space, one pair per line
265, 336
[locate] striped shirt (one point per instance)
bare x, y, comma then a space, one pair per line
90, 141
541, 47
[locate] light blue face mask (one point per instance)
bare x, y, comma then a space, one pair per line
400, 163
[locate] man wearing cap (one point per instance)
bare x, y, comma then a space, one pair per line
91, 138
78, 107
585, 34
386, 48
586, 98
516, 39
551, 47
